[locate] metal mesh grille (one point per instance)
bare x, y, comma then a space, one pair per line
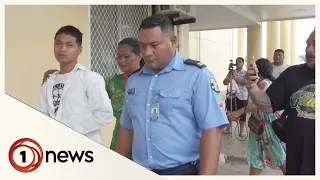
109, 24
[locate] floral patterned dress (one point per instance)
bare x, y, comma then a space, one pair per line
116, 92
266, 151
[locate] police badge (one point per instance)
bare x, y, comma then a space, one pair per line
214, 85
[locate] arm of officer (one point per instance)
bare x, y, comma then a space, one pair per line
211, 118
125, 137
42, 105
99, 103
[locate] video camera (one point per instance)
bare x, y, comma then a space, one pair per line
231, 65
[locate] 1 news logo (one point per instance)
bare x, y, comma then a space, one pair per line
21, 150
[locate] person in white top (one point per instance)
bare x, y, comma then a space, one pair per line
73, 95
278, 66
239, 93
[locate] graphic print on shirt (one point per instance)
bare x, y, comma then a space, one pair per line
304, 102
56, 95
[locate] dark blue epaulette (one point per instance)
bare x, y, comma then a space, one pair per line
195, 63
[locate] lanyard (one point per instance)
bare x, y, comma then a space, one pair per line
156, 98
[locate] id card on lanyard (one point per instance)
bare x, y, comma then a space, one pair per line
154, 109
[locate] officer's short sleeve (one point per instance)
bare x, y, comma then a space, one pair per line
125, 119
207, 103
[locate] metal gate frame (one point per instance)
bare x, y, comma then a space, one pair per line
105, 55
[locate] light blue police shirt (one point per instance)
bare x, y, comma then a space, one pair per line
189, 104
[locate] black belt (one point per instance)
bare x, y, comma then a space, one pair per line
190, 168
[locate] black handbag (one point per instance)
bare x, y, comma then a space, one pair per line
279, 126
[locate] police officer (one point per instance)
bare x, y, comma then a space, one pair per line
173, 114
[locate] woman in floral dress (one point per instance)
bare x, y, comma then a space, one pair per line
265, 151
128, 60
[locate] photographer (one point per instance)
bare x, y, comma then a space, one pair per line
293, 91
239, 96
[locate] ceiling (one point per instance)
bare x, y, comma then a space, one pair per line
211, 17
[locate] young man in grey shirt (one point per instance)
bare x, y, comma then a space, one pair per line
278, 65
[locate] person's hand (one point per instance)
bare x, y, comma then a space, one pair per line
251, 76
46, 75
234, 115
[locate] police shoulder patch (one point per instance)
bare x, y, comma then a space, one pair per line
195, 63
135, 71
214, 85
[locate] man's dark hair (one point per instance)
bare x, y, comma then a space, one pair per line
157, 21
240, 59
72, 31
279, 50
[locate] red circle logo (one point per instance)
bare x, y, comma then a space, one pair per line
37, 154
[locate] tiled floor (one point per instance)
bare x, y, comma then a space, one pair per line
236, 163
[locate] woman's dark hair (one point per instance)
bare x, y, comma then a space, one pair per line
133, 43
265, 68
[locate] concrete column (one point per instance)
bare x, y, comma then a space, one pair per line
294, 42
194, 45
149, 10
254, 43
273, 38
183, 39
182, 32
241, 36
285, 40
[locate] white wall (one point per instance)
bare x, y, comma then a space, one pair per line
215, 49
29, 48
29, 34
